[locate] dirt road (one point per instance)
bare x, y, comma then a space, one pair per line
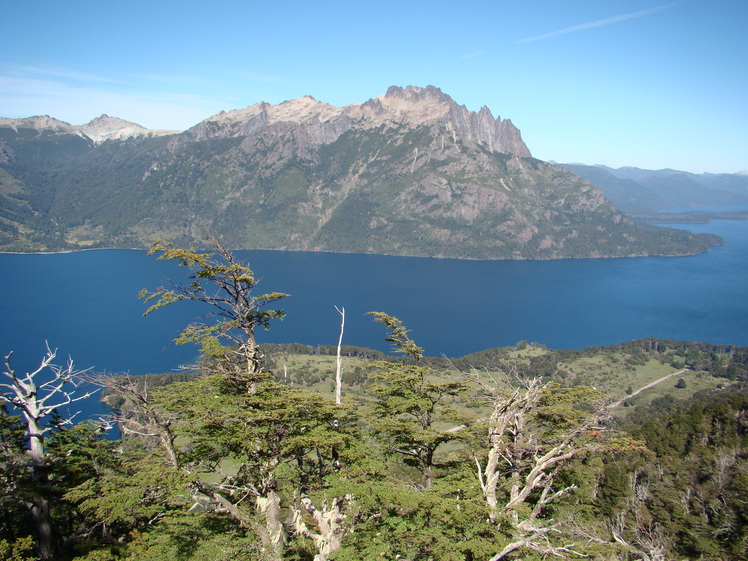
650, 385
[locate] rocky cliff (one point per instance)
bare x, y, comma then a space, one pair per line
321, 123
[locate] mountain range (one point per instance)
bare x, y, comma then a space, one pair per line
409, 172
645, 194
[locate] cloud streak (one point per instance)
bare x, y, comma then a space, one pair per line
57, 72
158, 101
598, 23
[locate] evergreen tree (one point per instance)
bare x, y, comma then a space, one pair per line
412, 413
227, 287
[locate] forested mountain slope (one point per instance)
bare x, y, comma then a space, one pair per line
410, 172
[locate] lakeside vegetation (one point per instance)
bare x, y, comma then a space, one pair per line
510, 453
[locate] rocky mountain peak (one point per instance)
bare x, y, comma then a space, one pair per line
416, 94
303, 110
39, 123
99, 129
410, 106
409, 172
105, 127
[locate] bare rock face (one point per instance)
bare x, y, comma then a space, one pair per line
430, 106
322, 123
113, 128
39, 123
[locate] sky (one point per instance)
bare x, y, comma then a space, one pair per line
644, 83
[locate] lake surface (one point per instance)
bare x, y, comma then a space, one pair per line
85, 303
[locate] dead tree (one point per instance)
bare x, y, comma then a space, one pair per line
328, 520
339, 370
37, 395
522, 456
138, 415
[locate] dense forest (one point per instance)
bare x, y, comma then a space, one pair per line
257, 454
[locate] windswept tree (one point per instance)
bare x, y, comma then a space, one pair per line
38, 395
219, 280
412, 412
260, 455
137, 414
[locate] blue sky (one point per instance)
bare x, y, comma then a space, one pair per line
643, 83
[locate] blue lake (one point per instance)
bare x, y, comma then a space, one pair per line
85, 303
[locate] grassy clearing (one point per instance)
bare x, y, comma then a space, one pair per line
695, 382
616, 371
614, 376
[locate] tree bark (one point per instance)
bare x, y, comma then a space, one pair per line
43, 519
37, 398
269, 508
329, 520
40, 507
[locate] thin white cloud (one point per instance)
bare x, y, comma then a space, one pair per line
157, 101
599, 23
59, 72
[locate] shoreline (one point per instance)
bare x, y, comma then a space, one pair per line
71, 251
672, 225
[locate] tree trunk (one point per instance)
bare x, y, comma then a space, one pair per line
270, 510
339, 371
167, 441
40, 506
43, 519
329, 521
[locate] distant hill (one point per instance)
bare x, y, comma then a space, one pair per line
409, 172
645, 193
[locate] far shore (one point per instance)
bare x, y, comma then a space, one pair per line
69, 251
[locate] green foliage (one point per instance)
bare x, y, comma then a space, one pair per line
132, 492
694, 474
411, 412
398, 336
227, 286
21, 549
15, 483
396, 521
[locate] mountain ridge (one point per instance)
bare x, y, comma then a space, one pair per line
412, 105
409, 172
645, 194
99, 129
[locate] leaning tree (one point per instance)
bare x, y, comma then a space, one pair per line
227, 337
